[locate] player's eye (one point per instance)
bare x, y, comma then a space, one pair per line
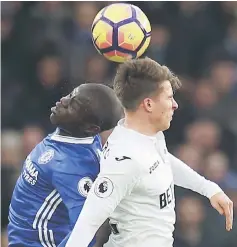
74, 104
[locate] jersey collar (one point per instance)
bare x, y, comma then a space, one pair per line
131, 131
68, 139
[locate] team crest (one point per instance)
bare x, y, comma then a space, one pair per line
46, 157
104, 187
84, 186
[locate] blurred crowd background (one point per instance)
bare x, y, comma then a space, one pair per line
47, 50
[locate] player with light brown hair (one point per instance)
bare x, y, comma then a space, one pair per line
137, 169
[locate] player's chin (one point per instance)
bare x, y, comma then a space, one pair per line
53, 118
166, 126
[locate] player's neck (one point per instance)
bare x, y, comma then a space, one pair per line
77, 134
140, 124
63, 132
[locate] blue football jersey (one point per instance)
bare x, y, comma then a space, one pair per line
51, 190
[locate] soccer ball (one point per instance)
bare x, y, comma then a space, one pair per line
121, 31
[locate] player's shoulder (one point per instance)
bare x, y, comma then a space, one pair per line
128, 142
118, 160
121, 147
132, 147
45, 154
55, 150
75, 155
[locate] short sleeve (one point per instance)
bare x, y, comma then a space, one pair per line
73, 179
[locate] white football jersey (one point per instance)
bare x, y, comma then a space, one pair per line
145, 216
135, 189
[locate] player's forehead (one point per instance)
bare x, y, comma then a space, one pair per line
75, 91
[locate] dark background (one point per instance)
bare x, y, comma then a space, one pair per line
47, 50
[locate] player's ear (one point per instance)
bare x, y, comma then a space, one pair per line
147, 104
93, 129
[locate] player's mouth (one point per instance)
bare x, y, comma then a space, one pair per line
171, 117
56, 108
53, 110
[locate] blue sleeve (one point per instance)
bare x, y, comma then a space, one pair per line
73, 178
63, 243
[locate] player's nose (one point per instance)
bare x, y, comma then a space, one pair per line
175, 105
65, 101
